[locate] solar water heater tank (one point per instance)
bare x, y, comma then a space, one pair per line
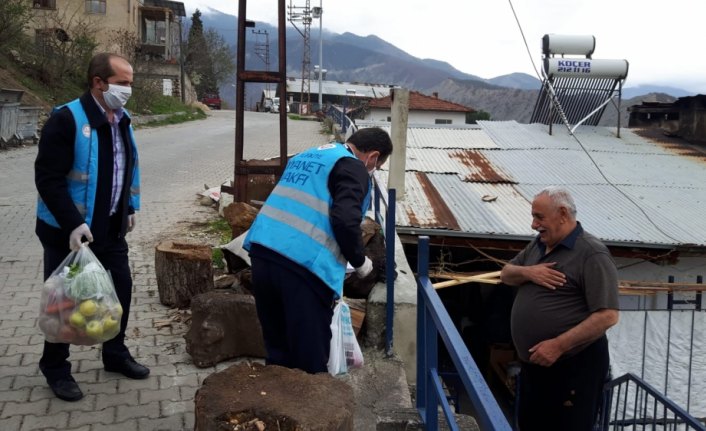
586, 68
568, 44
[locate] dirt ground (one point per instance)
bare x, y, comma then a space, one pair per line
28, 98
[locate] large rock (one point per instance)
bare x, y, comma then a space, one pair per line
224, 325
269, 397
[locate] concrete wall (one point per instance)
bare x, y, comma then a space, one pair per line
72, 12
120, 15
404, 325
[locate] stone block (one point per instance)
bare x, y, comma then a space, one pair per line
224, 325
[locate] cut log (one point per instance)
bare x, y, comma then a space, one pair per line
183, 270
254, 396
224, 325
239, 216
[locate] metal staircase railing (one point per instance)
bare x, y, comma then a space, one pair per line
340, 118
433, 321
631, 403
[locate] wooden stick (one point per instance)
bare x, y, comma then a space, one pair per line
456, 279
627, 287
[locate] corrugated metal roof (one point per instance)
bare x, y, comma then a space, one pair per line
440, 136
657, 200
508, 213
340, 88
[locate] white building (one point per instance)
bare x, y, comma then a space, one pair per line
423, 109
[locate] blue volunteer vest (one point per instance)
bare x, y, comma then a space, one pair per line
294, 221
83, 178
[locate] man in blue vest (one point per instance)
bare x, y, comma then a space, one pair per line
87, 176
301, 240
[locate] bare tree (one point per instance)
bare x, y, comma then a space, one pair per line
65, 42
145, 89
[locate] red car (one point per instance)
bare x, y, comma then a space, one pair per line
212, 101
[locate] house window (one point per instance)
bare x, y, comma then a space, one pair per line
154, 32
42, 38
442, 121
95, 6
48, 39
389, 119
44, 4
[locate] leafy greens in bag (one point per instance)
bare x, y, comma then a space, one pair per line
79, 304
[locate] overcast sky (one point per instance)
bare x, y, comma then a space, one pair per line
662, 41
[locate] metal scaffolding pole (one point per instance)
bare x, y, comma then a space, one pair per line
305, 17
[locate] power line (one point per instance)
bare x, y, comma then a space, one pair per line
583, 148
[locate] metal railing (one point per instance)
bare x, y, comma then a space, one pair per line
386, 219
433, 321
339, 117
630, 402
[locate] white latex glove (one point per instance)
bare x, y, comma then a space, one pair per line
77, 234
131, 222
365, 269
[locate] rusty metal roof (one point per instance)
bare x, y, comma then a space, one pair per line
640, 189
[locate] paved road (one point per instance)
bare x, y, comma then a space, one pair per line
176, 162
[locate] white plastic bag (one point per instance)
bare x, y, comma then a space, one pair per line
79, 304
345, 352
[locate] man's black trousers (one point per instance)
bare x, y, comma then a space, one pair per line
295, 309
567, 395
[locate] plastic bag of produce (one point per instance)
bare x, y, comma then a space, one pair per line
79, 304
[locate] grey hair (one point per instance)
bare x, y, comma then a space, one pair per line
561, 197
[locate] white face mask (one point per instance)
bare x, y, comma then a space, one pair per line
117, 96
371, 171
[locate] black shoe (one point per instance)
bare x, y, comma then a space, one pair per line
66, 389
128, 368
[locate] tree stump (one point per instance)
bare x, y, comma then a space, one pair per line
269, 397
224, 325
183, 270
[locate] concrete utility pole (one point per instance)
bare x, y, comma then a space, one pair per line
398, 129
318, 14
263, 51
305, 18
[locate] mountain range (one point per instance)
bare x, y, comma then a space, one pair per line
370, 59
